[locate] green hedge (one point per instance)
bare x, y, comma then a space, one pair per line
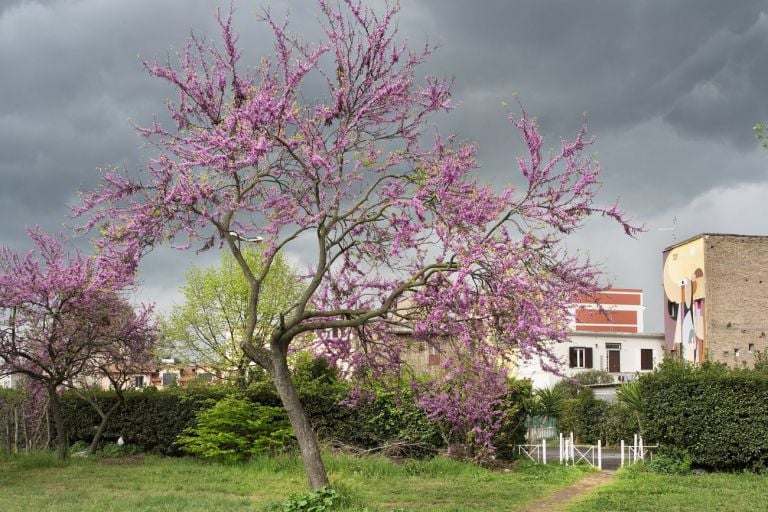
591, 419
719, 416
154, 419
150, 418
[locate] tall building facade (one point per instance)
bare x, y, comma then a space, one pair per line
716, 298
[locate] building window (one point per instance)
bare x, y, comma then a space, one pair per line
751, 348
169, 379
205, 377
580, 357
736, 352
138, 381
646, 359
434, 356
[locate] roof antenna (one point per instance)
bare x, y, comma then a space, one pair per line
672, 229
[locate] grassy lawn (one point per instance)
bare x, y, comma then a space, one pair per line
37, 483
635, 491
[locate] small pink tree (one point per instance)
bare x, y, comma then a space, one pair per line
465, 401
344, 174
126, 349
57, 312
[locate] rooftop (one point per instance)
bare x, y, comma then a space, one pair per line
696, 237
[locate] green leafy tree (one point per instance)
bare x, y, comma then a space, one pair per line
209, 326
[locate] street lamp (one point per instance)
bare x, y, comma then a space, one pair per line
239, 237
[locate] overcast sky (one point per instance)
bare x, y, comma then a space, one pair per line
671, 88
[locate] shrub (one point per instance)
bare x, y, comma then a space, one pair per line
388, 419
590, 377
583, 416
235, 429
320, 500
155, 419
618, 422
670, 461
718, 415
516, 405
115, 451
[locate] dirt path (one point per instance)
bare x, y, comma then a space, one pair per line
559, 499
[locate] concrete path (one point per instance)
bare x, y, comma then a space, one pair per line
560, 499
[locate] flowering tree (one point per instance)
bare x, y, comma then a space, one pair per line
125, 349
398, 232
465, 400
57, 311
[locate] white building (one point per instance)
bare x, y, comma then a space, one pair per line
10, 381
607, 334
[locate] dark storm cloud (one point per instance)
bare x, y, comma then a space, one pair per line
626, 61
692, 70
672, 90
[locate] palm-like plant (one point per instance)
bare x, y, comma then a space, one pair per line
629, 395
548, 402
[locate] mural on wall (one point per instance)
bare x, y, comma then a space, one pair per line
684, 292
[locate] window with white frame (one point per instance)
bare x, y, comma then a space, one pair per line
580, 357
138, 381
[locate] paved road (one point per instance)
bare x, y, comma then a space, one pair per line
611, 457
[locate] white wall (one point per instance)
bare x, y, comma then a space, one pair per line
10, 381
631, 344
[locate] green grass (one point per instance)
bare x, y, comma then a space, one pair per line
39, 483
634, 490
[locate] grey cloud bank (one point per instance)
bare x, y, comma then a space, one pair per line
671, 89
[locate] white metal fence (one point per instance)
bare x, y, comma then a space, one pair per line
570, 453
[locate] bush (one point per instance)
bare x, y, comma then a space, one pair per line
717, 415
389, 419
585, 416
618, 422
235, 429
671, 461
590, 377
154, 419
321, 500
115, 451
515, 403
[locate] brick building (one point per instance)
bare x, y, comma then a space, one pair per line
716, 291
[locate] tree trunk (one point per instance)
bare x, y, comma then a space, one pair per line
58, 419
310, 449
47, 428
103, 427
15, 429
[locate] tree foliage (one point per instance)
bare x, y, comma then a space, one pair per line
761, 134
210, 325
63, 313
235, 429
388, 216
